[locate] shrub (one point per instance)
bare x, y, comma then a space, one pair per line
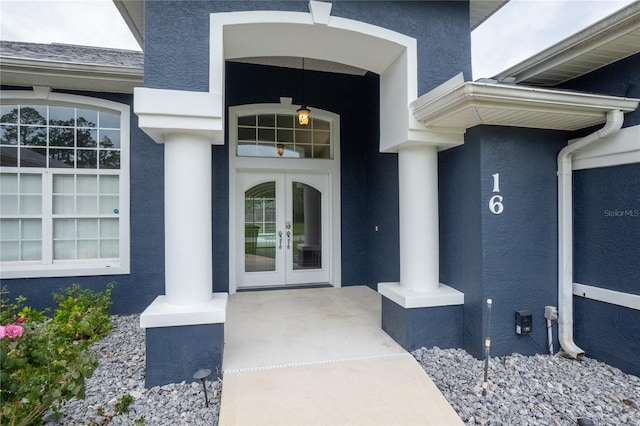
45, 361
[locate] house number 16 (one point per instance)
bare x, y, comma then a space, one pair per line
495, 203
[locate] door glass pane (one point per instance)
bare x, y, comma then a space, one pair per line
260, 228
307, 227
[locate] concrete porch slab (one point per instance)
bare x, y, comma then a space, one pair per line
319, 356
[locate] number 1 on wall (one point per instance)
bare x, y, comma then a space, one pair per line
495, 202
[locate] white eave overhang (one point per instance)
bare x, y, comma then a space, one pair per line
70, 76
462, 105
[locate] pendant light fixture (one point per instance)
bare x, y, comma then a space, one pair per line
303, 111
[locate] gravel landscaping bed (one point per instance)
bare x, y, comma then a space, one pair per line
537, 390
120, 372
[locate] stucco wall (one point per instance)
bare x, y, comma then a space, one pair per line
607, 245
509, 257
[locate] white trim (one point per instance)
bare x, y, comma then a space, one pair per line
627, 300
161, 313
622, 148
267, 33
331, 167
79, 267
442, 296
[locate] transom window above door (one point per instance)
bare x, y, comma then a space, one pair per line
280, 136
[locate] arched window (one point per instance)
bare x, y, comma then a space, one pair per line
64, 186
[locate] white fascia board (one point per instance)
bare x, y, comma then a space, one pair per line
163, 112
65, 69
622, 148
501, 97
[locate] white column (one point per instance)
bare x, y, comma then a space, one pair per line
419, 236
187, 209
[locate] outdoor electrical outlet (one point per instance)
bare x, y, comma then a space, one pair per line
551, 312
523, 322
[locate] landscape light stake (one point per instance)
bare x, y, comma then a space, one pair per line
487, 348
202, 375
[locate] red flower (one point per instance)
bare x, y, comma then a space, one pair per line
20, 319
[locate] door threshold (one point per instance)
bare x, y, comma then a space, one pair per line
285, 287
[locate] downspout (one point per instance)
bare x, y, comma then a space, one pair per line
565, 230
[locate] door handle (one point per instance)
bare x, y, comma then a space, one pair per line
288, 239
280, 243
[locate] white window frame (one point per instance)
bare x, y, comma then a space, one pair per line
78, 267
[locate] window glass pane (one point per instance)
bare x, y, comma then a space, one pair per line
8, 134
86, 204
320, 124
109, 228
64, 229
109, 249
31, 229
31, 250
246, 134
247, 120
259, 228
87, 158
109, 159
64, 250
8, 204
109, 138
33, 136
8, 157
61, 116
321, 151
303, 136
109, 185
267, 120
61, 158
285, 121
87, 184
30, 184
307, 151
33, 157
108, 204
8, 183
321, 138
247, 150
9, 229
109, 120
9, 114
64, 204
87, 118
31, 204
87, 228
87, 138
61, 136
9, 251
285, 135
88, 249
33, 114
267, 135
63, 184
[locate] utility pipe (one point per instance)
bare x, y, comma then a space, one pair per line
614, 122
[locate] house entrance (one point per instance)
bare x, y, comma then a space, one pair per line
282, 228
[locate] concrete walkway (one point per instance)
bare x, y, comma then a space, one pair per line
318, 357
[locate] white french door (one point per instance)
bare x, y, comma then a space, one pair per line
282, 228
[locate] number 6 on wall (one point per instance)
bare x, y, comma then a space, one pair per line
495, 202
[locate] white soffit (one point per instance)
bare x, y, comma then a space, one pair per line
605, 42
470, 104
481, 10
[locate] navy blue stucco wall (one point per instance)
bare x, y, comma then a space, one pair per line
177, 36
135, 291
510, 257
607, 233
